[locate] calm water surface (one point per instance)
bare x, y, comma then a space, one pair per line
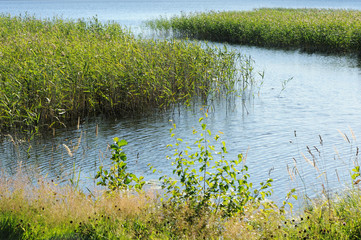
321, 97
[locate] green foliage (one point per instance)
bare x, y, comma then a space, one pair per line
9, 227
327, 30
118, 178
211, 198
53, 72
205, 183
355, 176
289, 195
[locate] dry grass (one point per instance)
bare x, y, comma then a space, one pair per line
45, 204
42, 209
35, 207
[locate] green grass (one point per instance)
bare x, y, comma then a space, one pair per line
53, 72
324, 30
46, 210
34, 207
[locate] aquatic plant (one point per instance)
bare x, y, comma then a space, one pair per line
55, 71
325, 30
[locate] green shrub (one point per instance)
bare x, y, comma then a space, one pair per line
206, 184
118, 178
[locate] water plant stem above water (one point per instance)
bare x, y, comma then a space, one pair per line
316, 30
53, 72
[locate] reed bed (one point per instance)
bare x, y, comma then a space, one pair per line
56, 71
324, 30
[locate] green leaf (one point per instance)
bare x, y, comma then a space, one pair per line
122, 143
356, 169
354, 176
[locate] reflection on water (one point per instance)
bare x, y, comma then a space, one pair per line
321, 97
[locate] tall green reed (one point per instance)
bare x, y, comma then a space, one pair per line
327, 30
54, 71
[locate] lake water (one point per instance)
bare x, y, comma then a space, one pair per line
321, 97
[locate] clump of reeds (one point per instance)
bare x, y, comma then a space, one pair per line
326, 30
55, 71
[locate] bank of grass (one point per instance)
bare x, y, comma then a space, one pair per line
324, 30
35, 207
55, 71
45, 210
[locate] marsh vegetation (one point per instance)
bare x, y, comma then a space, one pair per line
315, 30
54, 72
